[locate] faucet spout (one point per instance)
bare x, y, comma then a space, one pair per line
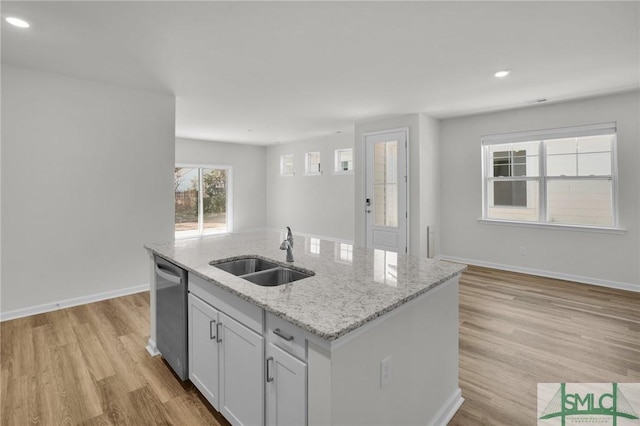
289, 236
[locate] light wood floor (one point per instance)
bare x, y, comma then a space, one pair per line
88, 364
518, 330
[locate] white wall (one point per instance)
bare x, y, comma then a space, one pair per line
317, 205
248, 181
423, 177
429, 170
87, 171
586, 256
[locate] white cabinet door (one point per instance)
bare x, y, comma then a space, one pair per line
286, 389
203, 348
241, 374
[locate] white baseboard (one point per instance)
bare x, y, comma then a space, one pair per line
152, 348
67, 303
448, 409
548, 274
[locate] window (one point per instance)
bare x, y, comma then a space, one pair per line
201, 200
344, 161
557, 176
286, 165
509, 164
312, 163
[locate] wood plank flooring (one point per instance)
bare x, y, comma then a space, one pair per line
518, 330
88, 365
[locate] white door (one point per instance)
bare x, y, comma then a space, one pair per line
386, 190
241, 374
286, 389
203, 348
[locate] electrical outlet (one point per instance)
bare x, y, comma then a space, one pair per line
385, 371
523, 251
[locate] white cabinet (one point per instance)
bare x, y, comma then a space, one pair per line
286, 388
226, 363
241, 373
203, 348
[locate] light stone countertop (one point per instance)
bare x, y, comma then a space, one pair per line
352, 285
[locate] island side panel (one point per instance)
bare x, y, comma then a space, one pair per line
151, 343
422, 341
318, 385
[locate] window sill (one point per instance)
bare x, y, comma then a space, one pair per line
313, 174
287, 175
350, 172
579, 228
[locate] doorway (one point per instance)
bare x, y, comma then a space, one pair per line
386, 209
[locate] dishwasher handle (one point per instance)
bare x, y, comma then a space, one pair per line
167, 274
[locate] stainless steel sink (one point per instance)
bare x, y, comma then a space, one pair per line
276, 276
244, 266
262, 272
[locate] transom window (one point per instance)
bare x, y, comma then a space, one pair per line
312, 163
344, 161
286, 165
201, 200
558, 176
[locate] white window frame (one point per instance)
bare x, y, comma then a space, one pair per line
282, 161
540, 136
337, 167
307, 165
201, 232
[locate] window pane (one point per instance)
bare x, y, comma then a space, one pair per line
214, 199
600, 143
579, 202
501, 164
519, 163
286, 164
580, 156
562, 165
561, 146
594, 164
513, 200
186, 199
344, 160
514, 159
312, 162
385, 183
510, 193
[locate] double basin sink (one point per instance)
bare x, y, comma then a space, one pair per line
260, 271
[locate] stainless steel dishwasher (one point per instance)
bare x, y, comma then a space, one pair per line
171, 315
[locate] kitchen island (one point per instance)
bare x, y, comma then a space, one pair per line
373, 334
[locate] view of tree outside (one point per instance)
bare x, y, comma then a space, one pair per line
214, 198
187, 197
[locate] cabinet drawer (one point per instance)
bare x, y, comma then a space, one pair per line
286, 336
244, 312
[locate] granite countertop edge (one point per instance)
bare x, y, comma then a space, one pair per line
306, 326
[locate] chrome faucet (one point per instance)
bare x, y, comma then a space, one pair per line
287, 245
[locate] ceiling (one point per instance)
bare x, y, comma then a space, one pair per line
267, 72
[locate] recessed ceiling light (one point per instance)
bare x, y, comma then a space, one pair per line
17, 22
502, 73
